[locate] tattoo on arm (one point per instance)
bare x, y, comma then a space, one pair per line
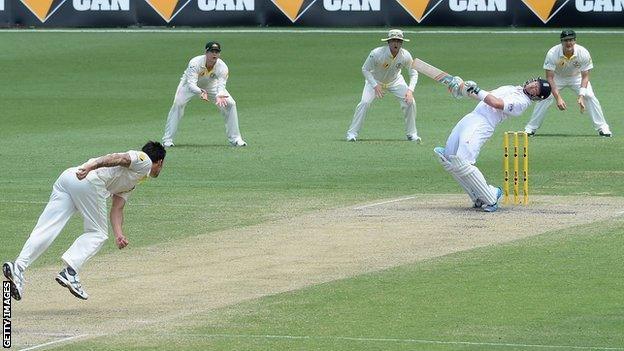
112, 160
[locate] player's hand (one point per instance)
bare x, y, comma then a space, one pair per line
581, 102
378, 91
409, 97
221, 100
561, 105
204, 95
470, 88
121, 241
455, 87
83, 171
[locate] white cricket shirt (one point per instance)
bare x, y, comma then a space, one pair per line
197, 76
568, 67
380, 67
121, 180
515, 103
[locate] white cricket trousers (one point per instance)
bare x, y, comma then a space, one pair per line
183, 96
591, 102
399, 89
69, 195
465, 142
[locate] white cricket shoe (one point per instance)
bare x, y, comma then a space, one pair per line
415, 138
168, 144
351, 137
238, 143
605, 132
71, 282
16, 277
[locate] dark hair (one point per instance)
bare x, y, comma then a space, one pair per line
154, 150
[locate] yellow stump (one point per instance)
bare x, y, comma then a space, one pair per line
516, 188
525, 172
506, 168
516, 165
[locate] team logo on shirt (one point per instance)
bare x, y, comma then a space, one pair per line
419, 9
43, 9
293, 9
168, 9
545, 9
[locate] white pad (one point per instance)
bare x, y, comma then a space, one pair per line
449, 168
474, 180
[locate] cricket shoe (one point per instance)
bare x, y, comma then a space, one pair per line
351, 137
478, 203
414, 137
168, 144
71, 282
238, 143
529, 132
16, 277
494, 208
605, 132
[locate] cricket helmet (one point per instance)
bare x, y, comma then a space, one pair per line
544, 89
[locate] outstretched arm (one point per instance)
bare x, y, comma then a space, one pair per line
116, 218
110, 160
472, 89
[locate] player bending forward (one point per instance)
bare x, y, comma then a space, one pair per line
84, 189
474, 129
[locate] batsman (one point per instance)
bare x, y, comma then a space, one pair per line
462, 148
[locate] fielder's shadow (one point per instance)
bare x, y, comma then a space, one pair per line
561, 135
201, 146
376, 141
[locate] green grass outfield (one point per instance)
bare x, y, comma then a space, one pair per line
70, 96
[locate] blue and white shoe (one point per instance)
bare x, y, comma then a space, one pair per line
439, 150
71, 282
478, 203
16, 277
494, 208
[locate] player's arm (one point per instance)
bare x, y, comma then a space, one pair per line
550, 77
192, 77
583, 90
116, 218
413, 74
367, 71
221, 99
472, 89
110, 160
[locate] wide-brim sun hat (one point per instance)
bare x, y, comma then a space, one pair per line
395, 34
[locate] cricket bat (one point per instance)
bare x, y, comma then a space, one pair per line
432, 72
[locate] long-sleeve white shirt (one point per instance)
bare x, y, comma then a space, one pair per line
568, 67
197, 77
381, 68
515, 103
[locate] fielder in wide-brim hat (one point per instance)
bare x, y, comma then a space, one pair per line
395, 34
